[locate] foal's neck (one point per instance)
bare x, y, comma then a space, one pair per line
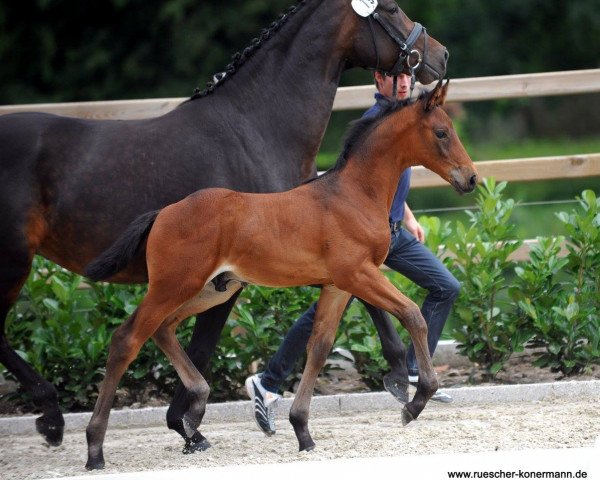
375, 167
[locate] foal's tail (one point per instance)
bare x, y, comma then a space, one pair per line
123, 251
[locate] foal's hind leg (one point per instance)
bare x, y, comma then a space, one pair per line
16, 254
330, 308
374, 287
187, 419
394, 351
125, 345
207, 331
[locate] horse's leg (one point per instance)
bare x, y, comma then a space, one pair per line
394, 351
207, 332
160, 302
330, 308
374, 287
16, 254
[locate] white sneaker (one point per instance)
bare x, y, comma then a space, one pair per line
265, 404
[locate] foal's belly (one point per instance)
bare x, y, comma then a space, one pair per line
281, 274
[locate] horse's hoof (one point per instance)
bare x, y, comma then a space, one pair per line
307, 446
52, 433
193, 447
406, 417
94, 464
396, 387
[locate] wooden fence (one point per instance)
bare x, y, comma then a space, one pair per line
361, 97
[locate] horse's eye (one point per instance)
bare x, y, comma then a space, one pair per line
441, 134
394, 9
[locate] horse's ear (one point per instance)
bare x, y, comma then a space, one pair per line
437, 97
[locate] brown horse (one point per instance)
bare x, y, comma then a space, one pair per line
69, 187
332, 232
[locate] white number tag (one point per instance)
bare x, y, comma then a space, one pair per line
364, 7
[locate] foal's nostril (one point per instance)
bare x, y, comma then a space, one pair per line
446, 56
473, 181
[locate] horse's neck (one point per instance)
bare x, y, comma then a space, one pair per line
285, 91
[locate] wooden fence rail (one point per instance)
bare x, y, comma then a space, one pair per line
521, 169
348, 98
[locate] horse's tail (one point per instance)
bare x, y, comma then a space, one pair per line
123, 251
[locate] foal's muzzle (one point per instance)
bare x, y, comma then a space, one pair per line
464, 182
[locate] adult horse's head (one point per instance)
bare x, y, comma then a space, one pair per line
386, 39
436, 145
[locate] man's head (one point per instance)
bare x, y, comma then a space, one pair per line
385, 85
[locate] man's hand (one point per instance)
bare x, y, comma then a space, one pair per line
411, 224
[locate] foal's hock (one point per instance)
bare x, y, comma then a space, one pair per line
332, 232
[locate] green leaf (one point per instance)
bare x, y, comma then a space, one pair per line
495, 368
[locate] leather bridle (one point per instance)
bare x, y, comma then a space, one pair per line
409, 59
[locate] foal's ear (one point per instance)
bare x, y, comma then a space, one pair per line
438, 95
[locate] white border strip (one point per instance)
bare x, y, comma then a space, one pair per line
323, 406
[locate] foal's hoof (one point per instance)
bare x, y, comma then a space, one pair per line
198, 446
406, 417
52, 433
398, 388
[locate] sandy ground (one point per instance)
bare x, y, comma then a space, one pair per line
440, 429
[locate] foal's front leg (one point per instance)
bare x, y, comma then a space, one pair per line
330, 308
374, 287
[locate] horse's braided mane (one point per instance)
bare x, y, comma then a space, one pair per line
239, 58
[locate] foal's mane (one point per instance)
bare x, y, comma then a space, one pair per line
239, 58
359, 130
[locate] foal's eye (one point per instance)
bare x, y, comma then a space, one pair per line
441, 133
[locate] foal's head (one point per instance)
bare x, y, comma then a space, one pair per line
426, 136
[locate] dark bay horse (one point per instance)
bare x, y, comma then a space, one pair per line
70, 186
256, 238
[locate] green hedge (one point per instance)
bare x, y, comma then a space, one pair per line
63, 328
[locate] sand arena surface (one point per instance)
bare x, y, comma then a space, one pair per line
450, 428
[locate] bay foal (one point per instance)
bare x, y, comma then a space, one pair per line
332, 232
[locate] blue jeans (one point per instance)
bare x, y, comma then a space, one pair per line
406, 256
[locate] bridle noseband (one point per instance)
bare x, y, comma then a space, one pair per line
407, 53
